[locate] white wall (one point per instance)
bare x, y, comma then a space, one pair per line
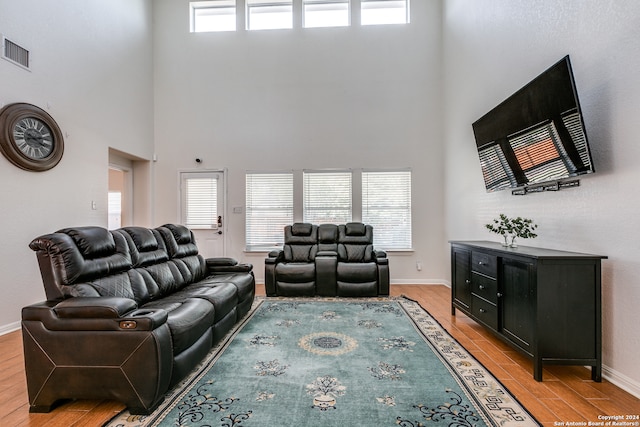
92, 72
327, 98
303, 99
491, 49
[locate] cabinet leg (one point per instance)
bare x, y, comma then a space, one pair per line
537, 370
453, 310
596, 373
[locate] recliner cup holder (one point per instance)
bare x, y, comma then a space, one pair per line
139, 313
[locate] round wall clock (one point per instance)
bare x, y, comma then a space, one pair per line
29, 137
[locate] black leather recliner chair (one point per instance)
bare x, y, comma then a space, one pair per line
361, 271
327, 260
292, 271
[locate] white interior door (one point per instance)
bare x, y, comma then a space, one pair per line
203, 209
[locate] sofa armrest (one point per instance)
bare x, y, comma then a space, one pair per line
94, 348
270, 263
327, 254
94, 307
380, 257
221, 262
382, 262
274, 257
94, 314
326, 263
227, 265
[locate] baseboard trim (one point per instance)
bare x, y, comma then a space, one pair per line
11, 327
405, 282
622, 381
420, 282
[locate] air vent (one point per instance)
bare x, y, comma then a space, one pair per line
15, 53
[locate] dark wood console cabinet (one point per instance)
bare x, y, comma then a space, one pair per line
543, 302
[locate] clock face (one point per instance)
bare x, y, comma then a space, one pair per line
29, 137
33, 137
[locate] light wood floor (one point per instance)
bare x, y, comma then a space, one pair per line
567, 394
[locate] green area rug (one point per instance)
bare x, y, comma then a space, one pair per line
337, 362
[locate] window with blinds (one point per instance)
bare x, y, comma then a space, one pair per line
386, 205
269, 208
327, 197
200, 200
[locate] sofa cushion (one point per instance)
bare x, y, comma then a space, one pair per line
293, 272
146, 246
188, 319
357, 272
355, 242
92, 242
183, 252
87, 261
355, 229
300, 253
244, 283
223, 296
327, 238
179, 239
301, 229
115, 285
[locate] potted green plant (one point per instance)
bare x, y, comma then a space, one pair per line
501, 226
510, 228
523, 228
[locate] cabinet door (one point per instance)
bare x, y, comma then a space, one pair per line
461, 265
518, 302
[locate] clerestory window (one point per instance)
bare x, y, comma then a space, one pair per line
379, 12
326, 13
269, 15
214, 15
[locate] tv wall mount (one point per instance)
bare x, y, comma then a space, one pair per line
547, 186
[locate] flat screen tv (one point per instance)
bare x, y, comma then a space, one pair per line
535, 136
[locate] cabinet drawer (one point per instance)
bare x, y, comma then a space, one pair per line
485, 287
485, 264
485, 312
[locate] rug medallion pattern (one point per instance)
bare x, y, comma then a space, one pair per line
337, 362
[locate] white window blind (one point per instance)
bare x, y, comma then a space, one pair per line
200, 200
386, 205
269, 208
327, 197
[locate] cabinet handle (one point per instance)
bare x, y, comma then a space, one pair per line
480, 287
468, 282
482, 310
499, 295
479, 262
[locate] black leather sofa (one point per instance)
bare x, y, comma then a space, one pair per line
129, 313
327, 260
